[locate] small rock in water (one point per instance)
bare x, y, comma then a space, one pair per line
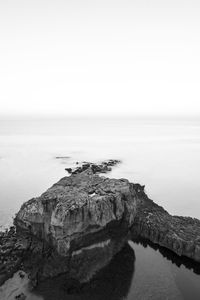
62, 157
103, 167
69, 170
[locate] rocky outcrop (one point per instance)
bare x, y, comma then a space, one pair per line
12, 251
87, 215
77, 208
103, 167
179, 234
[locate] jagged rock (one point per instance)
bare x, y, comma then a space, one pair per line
69, 170
12, 249
179, 234
73, 210
79, 206
81, 211
103, 167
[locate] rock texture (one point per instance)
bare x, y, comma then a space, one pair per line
12, 251
81, 213
103, 167
78, 207
179, 234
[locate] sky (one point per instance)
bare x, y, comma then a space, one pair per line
108, 57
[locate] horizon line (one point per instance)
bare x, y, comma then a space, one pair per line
34, 116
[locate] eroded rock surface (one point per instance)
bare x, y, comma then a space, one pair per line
77, 208
12, 251
80, 212
103, 167
179, 234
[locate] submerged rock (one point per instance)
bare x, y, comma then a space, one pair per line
103, 167
62, 157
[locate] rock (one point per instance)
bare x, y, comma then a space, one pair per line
69, 170
62, 157
21, 275
56, 232
87, 261
179, 234
42, 262
168, 254
20, 297
11, 253
103, 167
76, 208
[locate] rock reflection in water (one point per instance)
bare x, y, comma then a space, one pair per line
170, 255
163, 274
110, 272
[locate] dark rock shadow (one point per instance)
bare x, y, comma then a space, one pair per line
112, 282
170, 255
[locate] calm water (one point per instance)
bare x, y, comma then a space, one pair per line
165, 156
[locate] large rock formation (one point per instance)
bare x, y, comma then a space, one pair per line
84, 212
179, 234
75, 209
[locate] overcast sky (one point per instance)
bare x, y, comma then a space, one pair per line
100, 57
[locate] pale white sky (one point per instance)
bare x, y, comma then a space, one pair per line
106, 57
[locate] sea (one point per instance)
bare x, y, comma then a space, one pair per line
162, 154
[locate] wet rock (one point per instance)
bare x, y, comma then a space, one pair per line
62, 157
103, 167
69, 170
